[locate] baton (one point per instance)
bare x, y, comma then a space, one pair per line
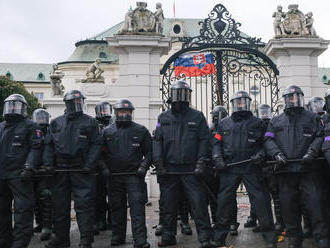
295, 160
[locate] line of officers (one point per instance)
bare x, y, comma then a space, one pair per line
80, 158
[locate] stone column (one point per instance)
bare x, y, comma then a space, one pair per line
297, 62
139, 73
139, 77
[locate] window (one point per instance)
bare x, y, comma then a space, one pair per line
9, 75
102, 55
177, 29
39, 95
41, 76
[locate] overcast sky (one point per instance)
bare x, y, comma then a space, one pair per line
44, 31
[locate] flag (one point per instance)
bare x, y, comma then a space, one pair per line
194, 64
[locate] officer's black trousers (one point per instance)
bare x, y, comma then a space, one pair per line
195, 192
133, 189
22, 193
307, 188
101, 200
83, 188
229, 182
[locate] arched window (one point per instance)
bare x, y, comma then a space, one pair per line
102, 55
41, 76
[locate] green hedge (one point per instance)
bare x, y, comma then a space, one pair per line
8, 87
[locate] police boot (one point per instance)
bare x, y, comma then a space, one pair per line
233, 229
218, 243
46, 233
37, 229
115, 241
85, 244
159, 230
206, 244
295, 243
250, 222
185, 228
145, 245
168, 241
57, 243
323, 243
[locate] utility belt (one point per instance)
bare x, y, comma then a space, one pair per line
70, 162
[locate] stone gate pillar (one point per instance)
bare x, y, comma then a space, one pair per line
297, 62
139, 73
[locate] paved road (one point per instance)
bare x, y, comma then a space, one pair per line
245, 239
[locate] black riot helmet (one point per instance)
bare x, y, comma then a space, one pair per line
316, 105
15, 105
264, 112
103, 111
123, 110
219, 112
41, 117
180, 92
327, 101
74, 101
240, 101
293, 97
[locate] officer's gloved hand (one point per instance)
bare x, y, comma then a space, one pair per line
160, 168
309, 157
281, 161
258, 158
27, 172
219, 164
200, 168
142, 170
87, 170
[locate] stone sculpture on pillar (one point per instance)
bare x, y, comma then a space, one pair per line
56, 81
94, 73
159, 15
294, 23
143, 21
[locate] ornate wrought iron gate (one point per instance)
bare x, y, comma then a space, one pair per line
239, 63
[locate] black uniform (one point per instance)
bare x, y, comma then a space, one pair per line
182, 139
239, 138
73, 143
294, 134
19, 146
128, 146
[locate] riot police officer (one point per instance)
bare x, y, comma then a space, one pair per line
181, 145
239, 138
298, 134
20, 141
42, 185
128, 151
73, 146
103, 111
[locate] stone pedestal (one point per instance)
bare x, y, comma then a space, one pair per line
139, 80
297, 62
139, 73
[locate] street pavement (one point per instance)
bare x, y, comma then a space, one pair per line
245, 239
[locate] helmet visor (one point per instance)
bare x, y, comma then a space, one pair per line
294, 100
264, 113
103, 111
15, 107
75, 105
241, 104
180, 95
41, 118
124, 114
317, 106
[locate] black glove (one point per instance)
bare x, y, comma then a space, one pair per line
160, 168
308, 158
141, 171
87, 170
200, 168
258, 158
27, 172
219, 164
282, 161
